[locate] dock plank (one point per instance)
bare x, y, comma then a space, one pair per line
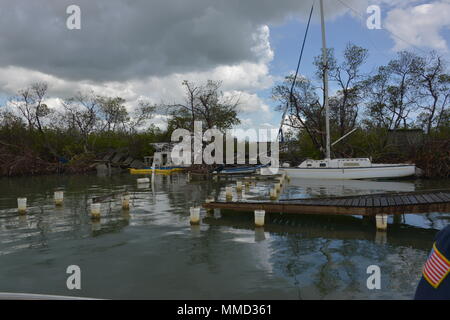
399, 201
444, 197
362, 202
428, 198
435, 198
417, 202
383, 201
412, 199
348, 202
405, 200
376, 202
421, 199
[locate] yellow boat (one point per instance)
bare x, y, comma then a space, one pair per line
168, 170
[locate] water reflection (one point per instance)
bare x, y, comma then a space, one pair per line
151, 251
327, 257
260, 235
329, 227
323, 187
195, 230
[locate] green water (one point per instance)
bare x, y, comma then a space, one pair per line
152, 252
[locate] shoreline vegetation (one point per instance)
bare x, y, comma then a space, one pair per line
400, 112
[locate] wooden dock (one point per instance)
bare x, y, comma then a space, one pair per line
365, 205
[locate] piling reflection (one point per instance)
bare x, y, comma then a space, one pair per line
291, 257
195, 230
260, 234
336, 228
380, 237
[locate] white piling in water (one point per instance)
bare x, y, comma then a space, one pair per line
259, 218
125, 201
229, 193
143, 180
238, 186
381, 220
194, 215
96, 210
22, 205
188, 177
59, 198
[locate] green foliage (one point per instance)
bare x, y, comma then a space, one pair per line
205, 103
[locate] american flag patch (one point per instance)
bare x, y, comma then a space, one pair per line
436, 268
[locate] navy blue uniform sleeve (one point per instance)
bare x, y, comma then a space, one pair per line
435, 281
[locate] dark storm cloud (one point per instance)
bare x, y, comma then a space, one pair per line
124, 39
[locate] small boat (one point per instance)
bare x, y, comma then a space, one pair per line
160, 162
237, 170
158, 170
349, 168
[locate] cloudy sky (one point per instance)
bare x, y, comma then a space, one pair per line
144, 49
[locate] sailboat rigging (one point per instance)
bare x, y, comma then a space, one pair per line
347, 168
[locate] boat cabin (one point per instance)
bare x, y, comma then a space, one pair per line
162, 157
336, 163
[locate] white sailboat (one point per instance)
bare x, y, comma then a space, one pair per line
349, 168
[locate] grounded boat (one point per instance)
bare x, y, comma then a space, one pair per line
350, 168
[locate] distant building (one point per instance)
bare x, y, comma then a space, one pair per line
405, 137
162, 156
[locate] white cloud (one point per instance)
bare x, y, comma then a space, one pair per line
420, 25
248, 102
242, 79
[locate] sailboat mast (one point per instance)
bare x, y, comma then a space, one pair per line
325, 83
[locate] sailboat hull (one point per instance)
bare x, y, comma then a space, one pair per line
374, 172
